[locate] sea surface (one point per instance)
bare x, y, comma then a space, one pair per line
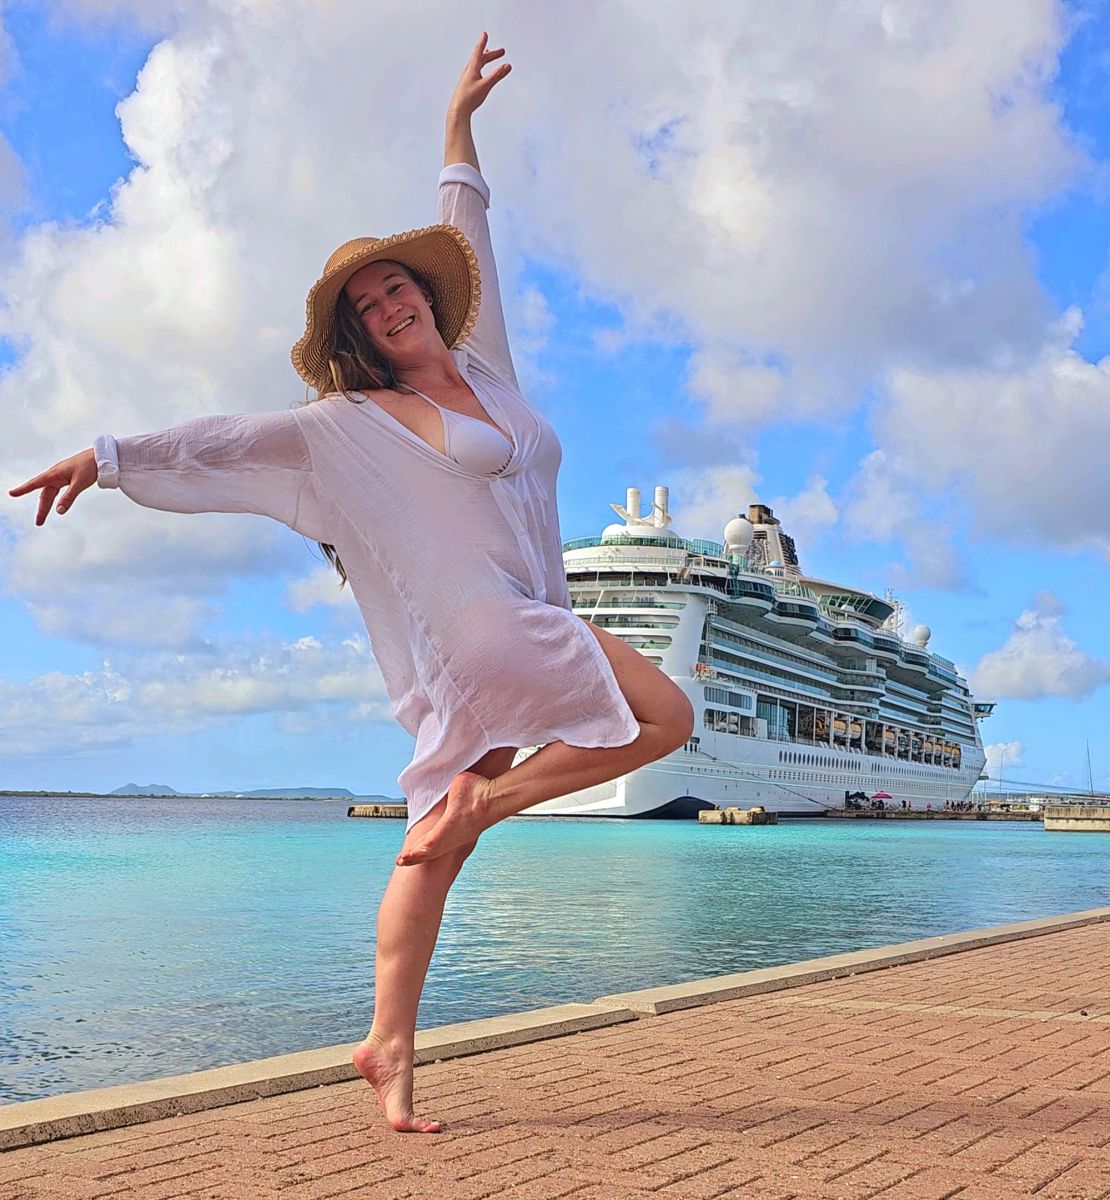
141, 938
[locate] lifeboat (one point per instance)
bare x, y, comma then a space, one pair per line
856, 730
840, 728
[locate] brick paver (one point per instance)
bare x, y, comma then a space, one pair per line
983, 1075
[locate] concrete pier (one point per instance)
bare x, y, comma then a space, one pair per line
737, 816
936, 814
378, 810
1077, 818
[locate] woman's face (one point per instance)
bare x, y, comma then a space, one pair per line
394, 312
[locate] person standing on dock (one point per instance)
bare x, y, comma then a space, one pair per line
429, 482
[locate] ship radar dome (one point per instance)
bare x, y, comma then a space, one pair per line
921, 635
738, 535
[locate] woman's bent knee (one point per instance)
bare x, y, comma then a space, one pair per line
680, 723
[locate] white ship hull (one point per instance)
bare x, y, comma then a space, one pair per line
805, 694
678, 786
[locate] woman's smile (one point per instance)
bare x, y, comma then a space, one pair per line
401, 326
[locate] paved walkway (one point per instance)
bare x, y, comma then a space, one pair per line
983, 1075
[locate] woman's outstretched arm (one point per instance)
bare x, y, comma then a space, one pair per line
464, 197
248, 462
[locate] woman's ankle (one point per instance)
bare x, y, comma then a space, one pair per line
395, 1043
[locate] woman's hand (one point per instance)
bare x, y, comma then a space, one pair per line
472, 87
74, 473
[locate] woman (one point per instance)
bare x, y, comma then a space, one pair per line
430, 483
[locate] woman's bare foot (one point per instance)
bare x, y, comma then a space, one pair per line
467, 813
389, 1072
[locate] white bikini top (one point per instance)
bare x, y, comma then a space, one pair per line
471, 442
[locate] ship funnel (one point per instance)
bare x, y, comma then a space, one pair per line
632, 503
659, 514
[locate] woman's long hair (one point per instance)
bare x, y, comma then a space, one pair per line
355, 365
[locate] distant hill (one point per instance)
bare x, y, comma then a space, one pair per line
160, 791
305, 793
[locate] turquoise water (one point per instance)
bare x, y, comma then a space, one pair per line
141, 938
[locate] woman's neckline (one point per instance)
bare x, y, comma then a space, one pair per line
455, 412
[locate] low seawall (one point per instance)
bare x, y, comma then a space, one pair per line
1077, 818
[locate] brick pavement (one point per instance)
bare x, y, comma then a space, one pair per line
983, 1075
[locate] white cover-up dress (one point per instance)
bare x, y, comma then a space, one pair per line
457, 569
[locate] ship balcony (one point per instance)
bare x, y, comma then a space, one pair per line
795, 617
748, 589
853, 635
887, 643
745, 672
783, 662
619, 602
648, 623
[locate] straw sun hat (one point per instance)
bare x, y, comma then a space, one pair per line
439, 252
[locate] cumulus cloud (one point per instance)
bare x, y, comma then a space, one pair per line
1023, 444
809, 513
806, 203
302, 682
706, 500
1003, 756
885, 502
320, 587
1039, 659
841, 189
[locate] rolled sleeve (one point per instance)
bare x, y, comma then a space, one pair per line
465, 173
107, 460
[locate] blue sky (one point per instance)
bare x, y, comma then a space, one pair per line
612, 405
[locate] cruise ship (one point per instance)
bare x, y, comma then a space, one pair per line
806, 695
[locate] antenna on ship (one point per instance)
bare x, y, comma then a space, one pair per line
897, 612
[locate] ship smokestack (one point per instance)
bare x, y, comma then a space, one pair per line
659, 514
632, 503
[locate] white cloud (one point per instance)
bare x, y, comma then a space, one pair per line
887, 503
1039, 659
320, 587
806, 201
807, 514
1003, 756
1023, 444
303, 683
706, 500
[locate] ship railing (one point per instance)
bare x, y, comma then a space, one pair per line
644, 602
701, 546
778, 680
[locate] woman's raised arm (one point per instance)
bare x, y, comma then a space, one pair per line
247, 462
464, 197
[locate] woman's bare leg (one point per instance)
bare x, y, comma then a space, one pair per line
474, 803
408, 925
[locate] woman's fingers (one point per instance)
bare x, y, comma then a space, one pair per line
497, 76
45, 501
473, 86
74, 474
35, 482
